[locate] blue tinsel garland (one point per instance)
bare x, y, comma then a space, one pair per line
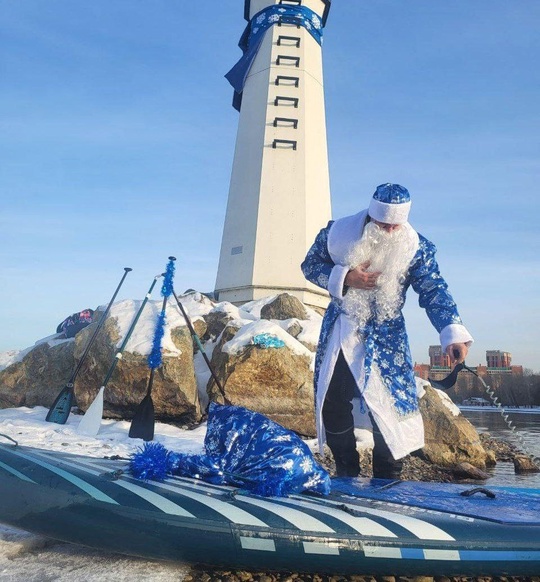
154, 359
167, 287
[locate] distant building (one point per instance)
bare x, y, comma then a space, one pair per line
438, 358
499, 363
498, 359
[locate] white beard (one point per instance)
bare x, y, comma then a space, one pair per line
391, 254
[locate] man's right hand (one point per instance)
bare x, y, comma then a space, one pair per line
361, 278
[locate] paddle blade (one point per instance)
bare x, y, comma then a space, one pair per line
142, 425
91, 421
61, 407
450, 380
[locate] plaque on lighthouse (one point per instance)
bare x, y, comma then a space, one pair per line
279, 195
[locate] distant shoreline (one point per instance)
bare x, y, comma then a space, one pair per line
491, 408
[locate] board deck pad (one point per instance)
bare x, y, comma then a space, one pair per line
507, 507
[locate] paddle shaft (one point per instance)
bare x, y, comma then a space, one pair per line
143, 423
61, 407
152, 370
118, 355
98, 327
198, 342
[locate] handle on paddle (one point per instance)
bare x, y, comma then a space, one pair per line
61, 407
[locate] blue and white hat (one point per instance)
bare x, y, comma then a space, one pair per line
390, 204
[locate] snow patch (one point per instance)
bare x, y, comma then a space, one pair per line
13, 356
246, 333
447, 401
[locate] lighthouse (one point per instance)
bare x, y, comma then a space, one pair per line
279, 194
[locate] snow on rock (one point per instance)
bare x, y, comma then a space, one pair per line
447, 401
13, 356
245, 335
234, 312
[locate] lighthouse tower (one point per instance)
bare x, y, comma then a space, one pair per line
279, 196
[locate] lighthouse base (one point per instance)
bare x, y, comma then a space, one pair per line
240, 295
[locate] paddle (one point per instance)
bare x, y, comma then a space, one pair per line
142, 425
61, 407
91, 421
450, 380
199, 345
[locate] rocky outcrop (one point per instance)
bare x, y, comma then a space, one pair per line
38, 378
43, 372
278, 382
174, 390
525, 464
450, 439
216, 321
284, 306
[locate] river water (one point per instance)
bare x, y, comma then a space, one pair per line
527, 427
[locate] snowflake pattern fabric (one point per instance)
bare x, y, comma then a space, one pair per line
387, 345
242, 448
253, 35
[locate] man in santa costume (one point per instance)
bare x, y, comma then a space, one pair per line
363, 369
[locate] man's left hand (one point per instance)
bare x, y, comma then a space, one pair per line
457, 352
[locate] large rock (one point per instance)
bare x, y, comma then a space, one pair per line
284, 306
174, 389
277, 382
44, 371
525, 464
38, 378
216, 321
450, 438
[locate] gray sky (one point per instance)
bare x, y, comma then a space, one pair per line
117, 137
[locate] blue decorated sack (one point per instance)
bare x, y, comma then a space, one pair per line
242, 448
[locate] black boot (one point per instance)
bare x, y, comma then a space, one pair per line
346, 457
384, 464
386, 467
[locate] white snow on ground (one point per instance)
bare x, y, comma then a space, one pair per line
28, 427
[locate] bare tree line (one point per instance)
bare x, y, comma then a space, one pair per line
522, 391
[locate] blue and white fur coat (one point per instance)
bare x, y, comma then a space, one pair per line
378, 354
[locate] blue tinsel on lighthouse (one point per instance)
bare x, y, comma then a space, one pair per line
154, 359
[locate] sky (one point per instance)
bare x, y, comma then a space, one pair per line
117, 138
